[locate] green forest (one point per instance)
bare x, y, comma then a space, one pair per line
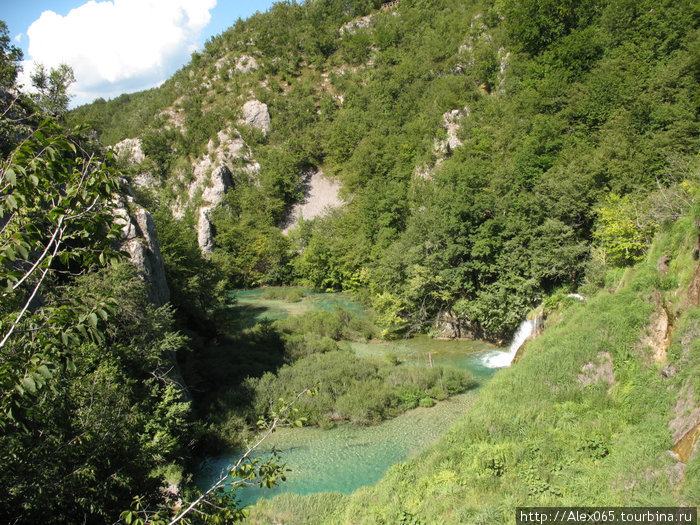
494, 158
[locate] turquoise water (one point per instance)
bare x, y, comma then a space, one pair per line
251, 307
347, 457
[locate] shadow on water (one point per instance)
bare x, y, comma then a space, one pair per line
353, 455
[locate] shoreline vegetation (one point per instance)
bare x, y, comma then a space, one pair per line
490, 157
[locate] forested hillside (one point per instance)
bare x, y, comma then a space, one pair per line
601, 410
91, 414
492, 157
489, 153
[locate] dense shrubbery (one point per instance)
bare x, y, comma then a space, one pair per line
355, 389
575, 114
579, 137
583, 418
245, 379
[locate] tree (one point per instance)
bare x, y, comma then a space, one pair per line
55, 216
52, 88
10, 58
622, 231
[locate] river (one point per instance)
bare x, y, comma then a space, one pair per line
348, 456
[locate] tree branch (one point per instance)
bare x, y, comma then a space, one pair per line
271, 427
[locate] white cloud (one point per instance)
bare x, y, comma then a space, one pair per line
118, 46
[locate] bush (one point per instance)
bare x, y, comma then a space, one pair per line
427, 402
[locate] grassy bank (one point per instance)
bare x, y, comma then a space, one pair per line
586, 417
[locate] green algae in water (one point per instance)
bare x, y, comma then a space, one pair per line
347, 457
252, 307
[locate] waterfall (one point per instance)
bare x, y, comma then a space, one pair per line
500, 359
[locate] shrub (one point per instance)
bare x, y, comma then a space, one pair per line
427, 402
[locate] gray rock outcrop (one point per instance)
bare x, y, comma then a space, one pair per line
321, 195
140, 241
130, 150
255, 115
220, 182
212, 180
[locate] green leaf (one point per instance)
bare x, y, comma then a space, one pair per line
22, 251
11, 176
11, 202
29, 384
92, 319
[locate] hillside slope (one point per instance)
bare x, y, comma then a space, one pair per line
588, 417
489, 153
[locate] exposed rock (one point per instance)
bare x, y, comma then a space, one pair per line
686, 445
685, 426
450, 326
175, 114
451, 121
243, 64
220, 182
130, 151
443, 148
478, 32
692, 293
205, 235
423, 171
145, 180
352, 27
669, 371
662, 264
140, 241
503, 66
657, 337
600, 371
686, 411
320, 196
213, 178
246, 64
255, 114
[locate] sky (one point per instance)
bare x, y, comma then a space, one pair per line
117, 46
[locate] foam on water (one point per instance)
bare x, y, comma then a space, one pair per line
501, 359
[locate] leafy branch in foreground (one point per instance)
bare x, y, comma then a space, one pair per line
55, 221
219, 503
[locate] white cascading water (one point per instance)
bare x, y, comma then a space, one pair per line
501, 359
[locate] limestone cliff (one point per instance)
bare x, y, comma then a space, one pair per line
140, 241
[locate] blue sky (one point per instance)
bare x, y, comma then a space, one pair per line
118, 46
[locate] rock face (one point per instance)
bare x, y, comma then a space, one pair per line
130, 150
451, 121
213, 178
140, 241
255, 114
354, 25
320, 196
220, 182
443, 148
449, 325
246, 64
